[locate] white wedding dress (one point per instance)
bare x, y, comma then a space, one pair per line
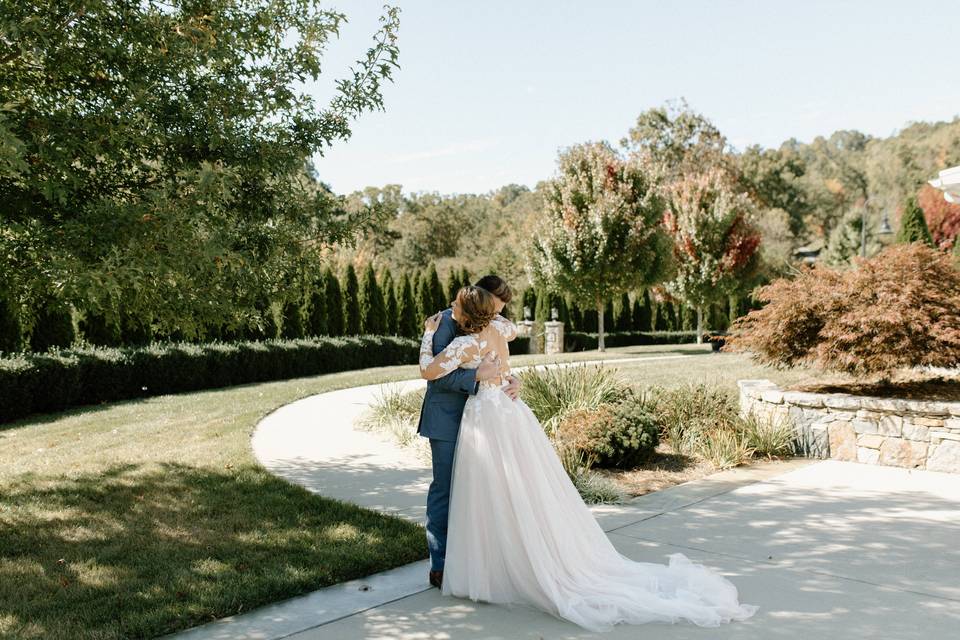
519, 532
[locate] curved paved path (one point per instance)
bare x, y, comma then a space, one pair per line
830, 549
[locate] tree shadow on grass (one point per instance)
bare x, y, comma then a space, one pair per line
142, 550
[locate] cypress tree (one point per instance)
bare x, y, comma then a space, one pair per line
351, 302
624, 316
389, 290
334, 303
317, 308
407, 315
642, 312
913, 225
454, 283
53, 326
11, 328
373, 309
465, 280
542, 310
100, 329
576, 316
292, 320
437, 295
529, 302
425, 304
608, 318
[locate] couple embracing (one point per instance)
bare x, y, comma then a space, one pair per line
505, 524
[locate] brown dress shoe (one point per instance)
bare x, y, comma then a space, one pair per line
436, 578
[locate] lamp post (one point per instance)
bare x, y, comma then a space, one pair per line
884, 230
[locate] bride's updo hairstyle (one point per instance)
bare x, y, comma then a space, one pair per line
477, 309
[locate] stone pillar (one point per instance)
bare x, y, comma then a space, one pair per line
552, 337
525, 330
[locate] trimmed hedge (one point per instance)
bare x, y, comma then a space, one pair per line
43, 383
578, 341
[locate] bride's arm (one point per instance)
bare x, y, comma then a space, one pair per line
457, 352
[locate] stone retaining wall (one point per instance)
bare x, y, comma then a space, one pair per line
902, 433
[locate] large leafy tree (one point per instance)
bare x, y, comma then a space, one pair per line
715, 240
154, 154
601, 231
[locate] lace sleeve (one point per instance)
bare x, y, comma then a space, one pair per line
504, 327
462, 349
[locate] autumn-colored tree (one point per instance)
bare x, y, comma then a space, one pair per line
715, 240
601, 231
943, 218
898, 309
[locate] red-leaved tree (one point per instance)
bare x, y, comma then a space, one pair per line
943, 218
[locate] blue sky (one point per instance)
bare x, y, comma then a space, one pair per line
490, 91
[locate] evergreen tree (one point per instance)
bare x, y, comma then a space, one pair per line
407, 310
642, 312
100, 329
608, 314
11, 328
845, 240
529, 302
576, 315
660, 317
454, 283
624, 315
52, 327
465, 280
591, 320
425, 306
437, 294
334, 303
317, 308
373, 309
292, 320
389, 290
351, 302
913, 226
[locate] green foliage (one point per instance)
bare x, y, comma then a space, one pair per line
438, 296
40, 383
100, 329
292, 325
373, 309
642, 313
913, 225
600, 228
769, 438
351, 302
845, 241
52, 326
334, 304
389, 289
623, 314
408, 319
162, 167
630, 436
583, 341
11, 328
317, 321
454, 283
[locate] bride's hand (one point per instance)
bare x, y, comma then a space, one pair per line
431, 323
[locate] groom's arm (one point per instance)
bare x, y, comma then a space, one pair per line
462, 380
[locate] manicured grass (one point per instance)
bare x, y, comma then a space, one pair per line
141, 518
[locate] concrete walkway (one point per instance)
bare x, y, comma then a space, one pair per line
826, 549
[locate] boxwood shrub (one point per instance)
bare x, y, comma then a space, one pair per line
578, 341
43, 383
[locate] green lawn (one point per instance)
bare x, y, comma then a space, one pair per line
140, 518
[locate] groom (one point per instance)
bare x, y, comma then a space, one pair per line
440, 421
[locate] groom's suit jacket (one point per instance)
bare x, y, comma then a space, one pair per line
443, 404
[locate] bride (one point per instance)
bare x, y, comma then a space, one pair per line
518, 531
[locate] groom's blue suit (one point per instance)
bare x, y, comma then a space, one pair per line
440, 421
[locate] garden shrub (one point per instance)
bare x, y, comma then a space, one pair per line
898, 309
621, 434
34, 383
552, 393
580, 341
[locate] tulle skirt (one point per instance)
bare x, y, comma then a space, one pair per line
519, 533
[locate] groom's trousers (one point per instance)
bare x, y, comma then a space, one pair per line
438, 501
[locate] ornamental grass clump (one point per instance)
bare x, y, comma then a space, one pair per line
899, 309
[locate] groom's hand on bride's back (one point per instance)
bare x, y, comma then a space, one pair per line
489, 368
513, 387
